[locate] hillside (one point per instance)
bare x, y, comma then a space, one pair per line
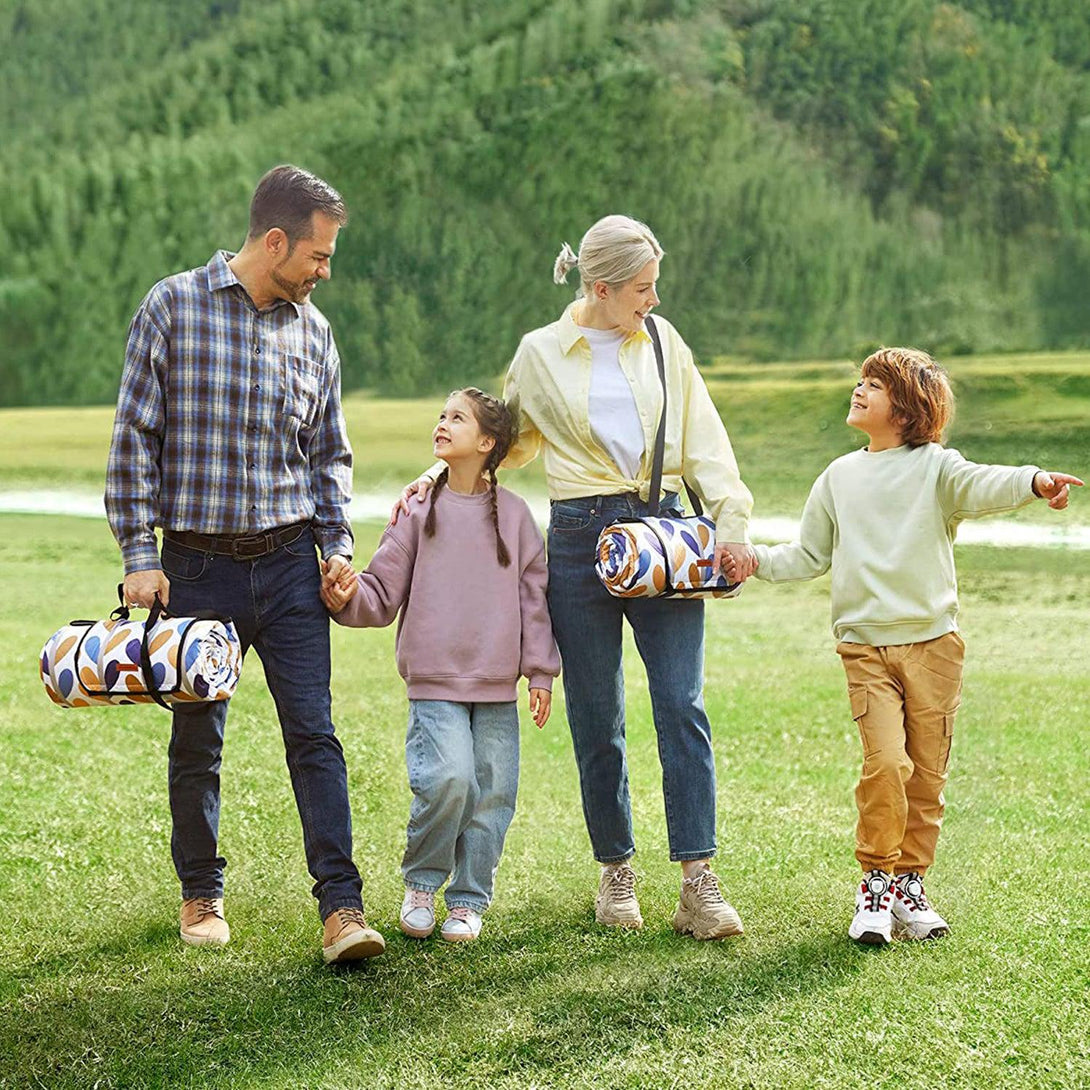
823, 176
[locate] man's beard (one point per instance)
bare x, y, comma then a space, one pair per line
296, 290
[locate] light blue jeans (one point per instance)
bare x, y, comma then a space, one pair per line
463, 762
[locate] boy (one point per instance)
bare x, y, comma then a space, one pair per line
884, 518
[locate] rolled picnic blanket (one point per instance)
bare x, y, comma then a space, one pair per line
164, 660
661, 558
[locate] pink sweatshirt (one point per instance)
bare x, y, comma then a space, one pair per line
469, 628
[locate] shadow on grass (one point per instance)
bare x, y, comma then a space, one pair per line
543, 992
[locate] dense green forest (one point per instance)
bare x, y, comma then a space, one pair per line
824, 174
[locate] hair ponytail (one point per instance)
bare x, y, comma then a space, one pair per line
502, 555
565, 261
429, 522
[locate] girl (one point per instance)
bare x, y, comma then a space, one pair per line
467, 572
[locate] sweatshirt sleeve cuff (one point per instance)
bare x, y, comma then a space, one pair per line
763, 563
541, 681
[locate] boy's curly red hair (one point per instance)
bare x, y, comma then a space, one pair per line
919, 392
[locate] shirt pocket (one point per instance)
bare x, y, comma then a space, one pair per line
302, 383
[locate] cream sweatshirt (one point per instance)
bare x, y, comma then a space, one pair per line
886, 522
469, 628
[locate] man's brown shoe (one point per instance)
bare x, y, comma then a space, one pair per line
202, 922
347, 937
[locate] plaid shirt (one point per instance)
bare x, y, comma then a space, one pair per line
228, 419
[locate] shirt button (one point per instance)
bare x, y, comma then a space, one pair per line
257, 385
257, 350
253, 507
253, 465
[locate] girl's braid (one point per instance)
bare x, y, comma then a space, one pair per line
429, 522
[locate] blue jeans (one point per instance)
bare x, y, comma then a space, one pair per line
463, 762
274, 603
669, 636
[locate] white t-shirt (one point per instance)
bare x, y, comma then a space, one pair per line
614, 418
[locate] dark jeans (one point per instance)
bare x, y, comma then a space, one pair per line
274, 603
669, 636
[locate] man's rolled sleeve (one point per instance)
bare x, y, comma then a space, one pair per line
133, 470
331, 472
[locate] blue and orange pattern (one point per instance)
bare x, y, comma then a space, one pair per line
661, 557
89, 664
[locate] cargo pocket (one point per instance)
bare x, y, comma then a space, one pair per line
930, 748
857, 697
947, 736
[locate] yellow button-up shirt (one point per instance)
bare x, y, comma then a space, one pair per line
549, 384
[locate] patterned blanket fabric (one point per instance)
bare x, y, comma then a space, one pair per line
661, 557
90, 663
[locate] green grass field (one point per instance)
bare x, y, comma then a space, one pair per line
96, 990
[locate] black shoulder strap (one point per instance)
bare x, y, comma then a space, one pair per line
660, 437
655, 492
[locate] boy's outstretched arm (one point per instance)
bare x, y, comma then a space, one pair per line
1054, 487
812, 554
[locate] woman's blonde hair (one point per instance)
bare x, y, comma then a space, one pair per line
613, 250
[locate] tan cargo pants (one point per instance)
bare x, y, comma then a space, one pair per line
904, 698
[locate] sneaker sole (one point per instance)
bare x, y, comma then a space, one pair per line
684, 925
203, 940
472, 936
625, 924
905, 932
354, 948
416, 932
870, 938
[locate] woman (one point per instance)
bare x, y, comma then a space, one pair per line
589, 398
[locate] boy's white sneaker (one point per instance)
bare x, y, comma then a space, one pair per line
461, 925
913, 916
873, 921
418, 913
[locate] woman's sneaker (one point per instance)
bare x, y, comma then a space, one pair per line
913, 916
702, 911
873, 920
418, 913
461, 925
616, 904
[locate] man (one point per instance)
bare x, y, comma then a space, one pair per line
229, 436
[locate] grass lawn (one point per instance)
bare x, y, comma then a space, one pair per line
96, 990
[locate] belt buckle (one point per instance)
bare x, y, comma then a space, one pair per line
241, 547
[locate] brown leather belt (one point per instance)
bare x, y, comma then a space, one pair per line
239, 546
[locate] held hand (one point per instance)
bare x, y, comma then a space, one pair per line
141, 587
334, 571
336, 596
418, 490
736, 559
1055, 487
541, 704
